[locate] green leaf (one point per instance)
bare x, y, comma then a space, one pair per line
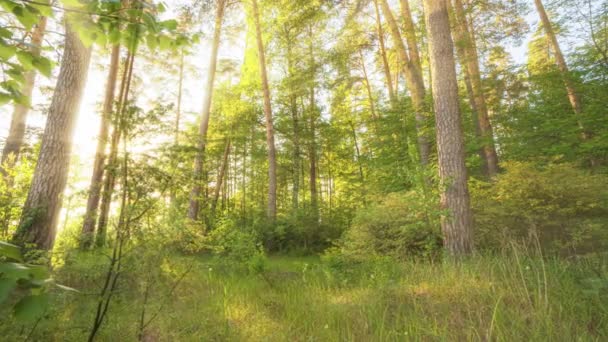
170, 25
43, 6
44, 66
26, 59
14, 270
6, 287
10, 251
31, 308
5, 98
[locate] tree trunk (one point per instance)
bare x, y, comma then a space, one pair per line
409, 31
314, 196
272, 160
415, 84
16, 133
110, 179
573, 95
470, 62
296, 131
90, 217
41, 209
386, 67
195, 194
457, 224
220, 177
368, 88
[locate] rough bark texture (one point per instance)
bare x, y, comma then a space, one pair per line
457, 224
385, 65
16, 132
41, 209
195, 194
415, 82
90, 217
573, 95
272, 159
470, 62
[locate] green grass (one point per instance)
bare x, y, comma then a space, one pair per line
507, 298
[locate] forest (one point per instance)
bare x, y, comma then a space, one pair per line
304, 170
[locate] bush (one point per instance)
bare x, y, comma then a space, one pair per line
403, 225
560, 206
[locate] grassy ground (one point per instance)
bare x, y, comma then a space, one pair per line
511, 298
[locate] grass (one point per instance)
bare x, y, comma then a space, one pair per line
506, 298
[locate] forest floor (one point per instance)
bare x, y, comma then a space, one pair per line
511, 298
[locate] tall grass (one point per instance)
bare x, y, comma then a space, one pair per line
516, 296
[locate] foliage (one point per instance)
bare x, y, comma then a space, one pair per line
24, 286
564, 207
402, 225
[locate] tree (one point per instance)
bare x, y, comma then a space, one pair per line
16, 133
470, 65
272, 159
41, 210
194, 207
90, 217
457, 224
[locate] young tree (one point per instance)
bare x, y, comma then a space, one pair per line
194, 207
457, 224
90, 217
41, 210
272, 159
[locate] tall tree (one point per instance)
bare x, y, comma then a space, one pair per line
272, 159
194, 207
16, 133
470, 63
458, 223
41, 209
413, 76
385, 65
573, 95
90, 217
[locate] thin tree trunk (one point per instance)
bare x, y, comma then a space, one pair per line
41, 209
272, 160
296, 130
457, 224
470, 62
415, 84
195, 194
178, 112
16, 133
368, 88
90, 217
110, 178
573, 95
313, 144
409, 31
220, 177
385, 64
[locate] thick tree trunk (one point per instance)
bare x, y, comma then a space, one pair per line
90, 217
470, 62
110, 178
415, 83
41, 209
16, 133
195, 194
272, 159
457, 224
385, 65
573, 95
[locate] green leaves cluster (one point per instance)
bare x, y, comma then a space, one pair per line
18, 56
23, 285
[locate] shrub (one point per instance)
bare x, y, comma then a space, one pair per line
403, 225
565, 208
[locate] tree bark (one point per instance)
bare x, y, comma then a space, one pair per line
296, 130
16, 133
110, 179
458, 223
195, 194
272, 160
314, 195
90, 217
385, 65
41, 210
470, 62
415, 83
573, 95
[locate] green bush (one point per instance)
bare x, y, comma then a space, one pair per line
402, 225
563, 208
